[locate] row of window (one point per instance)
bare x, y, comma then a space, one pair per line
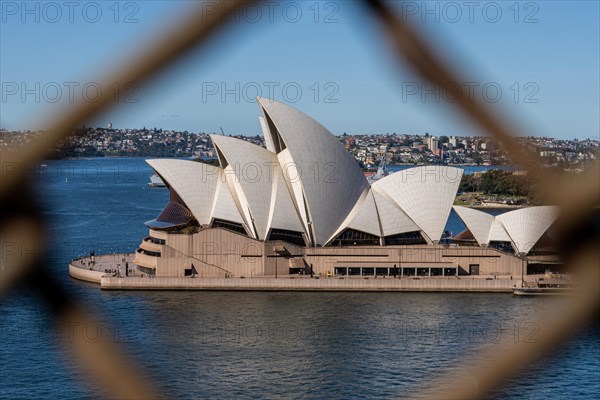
394, 271
148, 252
154, 240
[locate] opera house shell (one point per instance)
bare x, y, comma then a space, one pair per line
521, 228
303, 205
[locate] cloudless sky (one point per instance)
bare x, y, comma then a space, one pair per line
538, 62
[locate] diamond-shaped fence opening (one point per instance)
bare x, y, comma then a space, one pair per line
21, 221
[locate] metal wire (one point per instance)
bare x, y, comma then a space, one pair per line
193, 31
576, 211
21, 222
105, 364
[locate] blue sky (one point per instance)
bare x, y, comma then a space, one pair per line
537, 62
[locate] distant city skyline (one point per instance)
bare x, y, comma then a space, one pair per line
109, 126
368, 150
535, 61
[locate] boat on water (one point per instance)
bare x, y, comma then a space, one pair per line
547, 288
156, 181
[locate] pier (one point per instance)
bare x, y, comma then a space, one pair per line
109, 272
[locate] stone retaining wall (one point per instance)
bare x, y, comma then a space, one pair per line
85, 274
307, 284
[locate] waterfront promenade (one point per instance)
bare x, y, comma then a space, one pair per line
109, 272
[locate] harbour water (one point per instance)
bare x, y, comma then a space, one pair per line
256, 344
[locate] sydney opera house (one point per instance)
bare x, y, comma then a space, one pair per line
302, 205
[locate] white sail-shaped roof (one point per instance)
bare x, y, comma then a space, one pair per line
265, 131
393, 220
331, 180
240, 200
366, 217
498, 233
425, 194
305, 181
291, 178
194, 182
223, 205
522, 227
283, 214
527, 225
250, 170
478, 222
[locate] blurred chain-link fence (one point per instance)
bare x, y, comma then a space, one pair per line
578, 226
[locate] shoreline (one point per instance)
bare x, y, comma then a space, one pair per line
493, 205
494, 166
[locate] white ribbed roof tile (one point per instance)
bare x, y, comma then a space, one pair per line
251, 170
498, 233
223, 205
194, 182
393, 219
526, 226
283, 213
425, 194
478, 222
331, 179
367, 217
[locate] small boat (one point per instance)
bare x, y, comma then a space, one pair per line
156, 181
547, 288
